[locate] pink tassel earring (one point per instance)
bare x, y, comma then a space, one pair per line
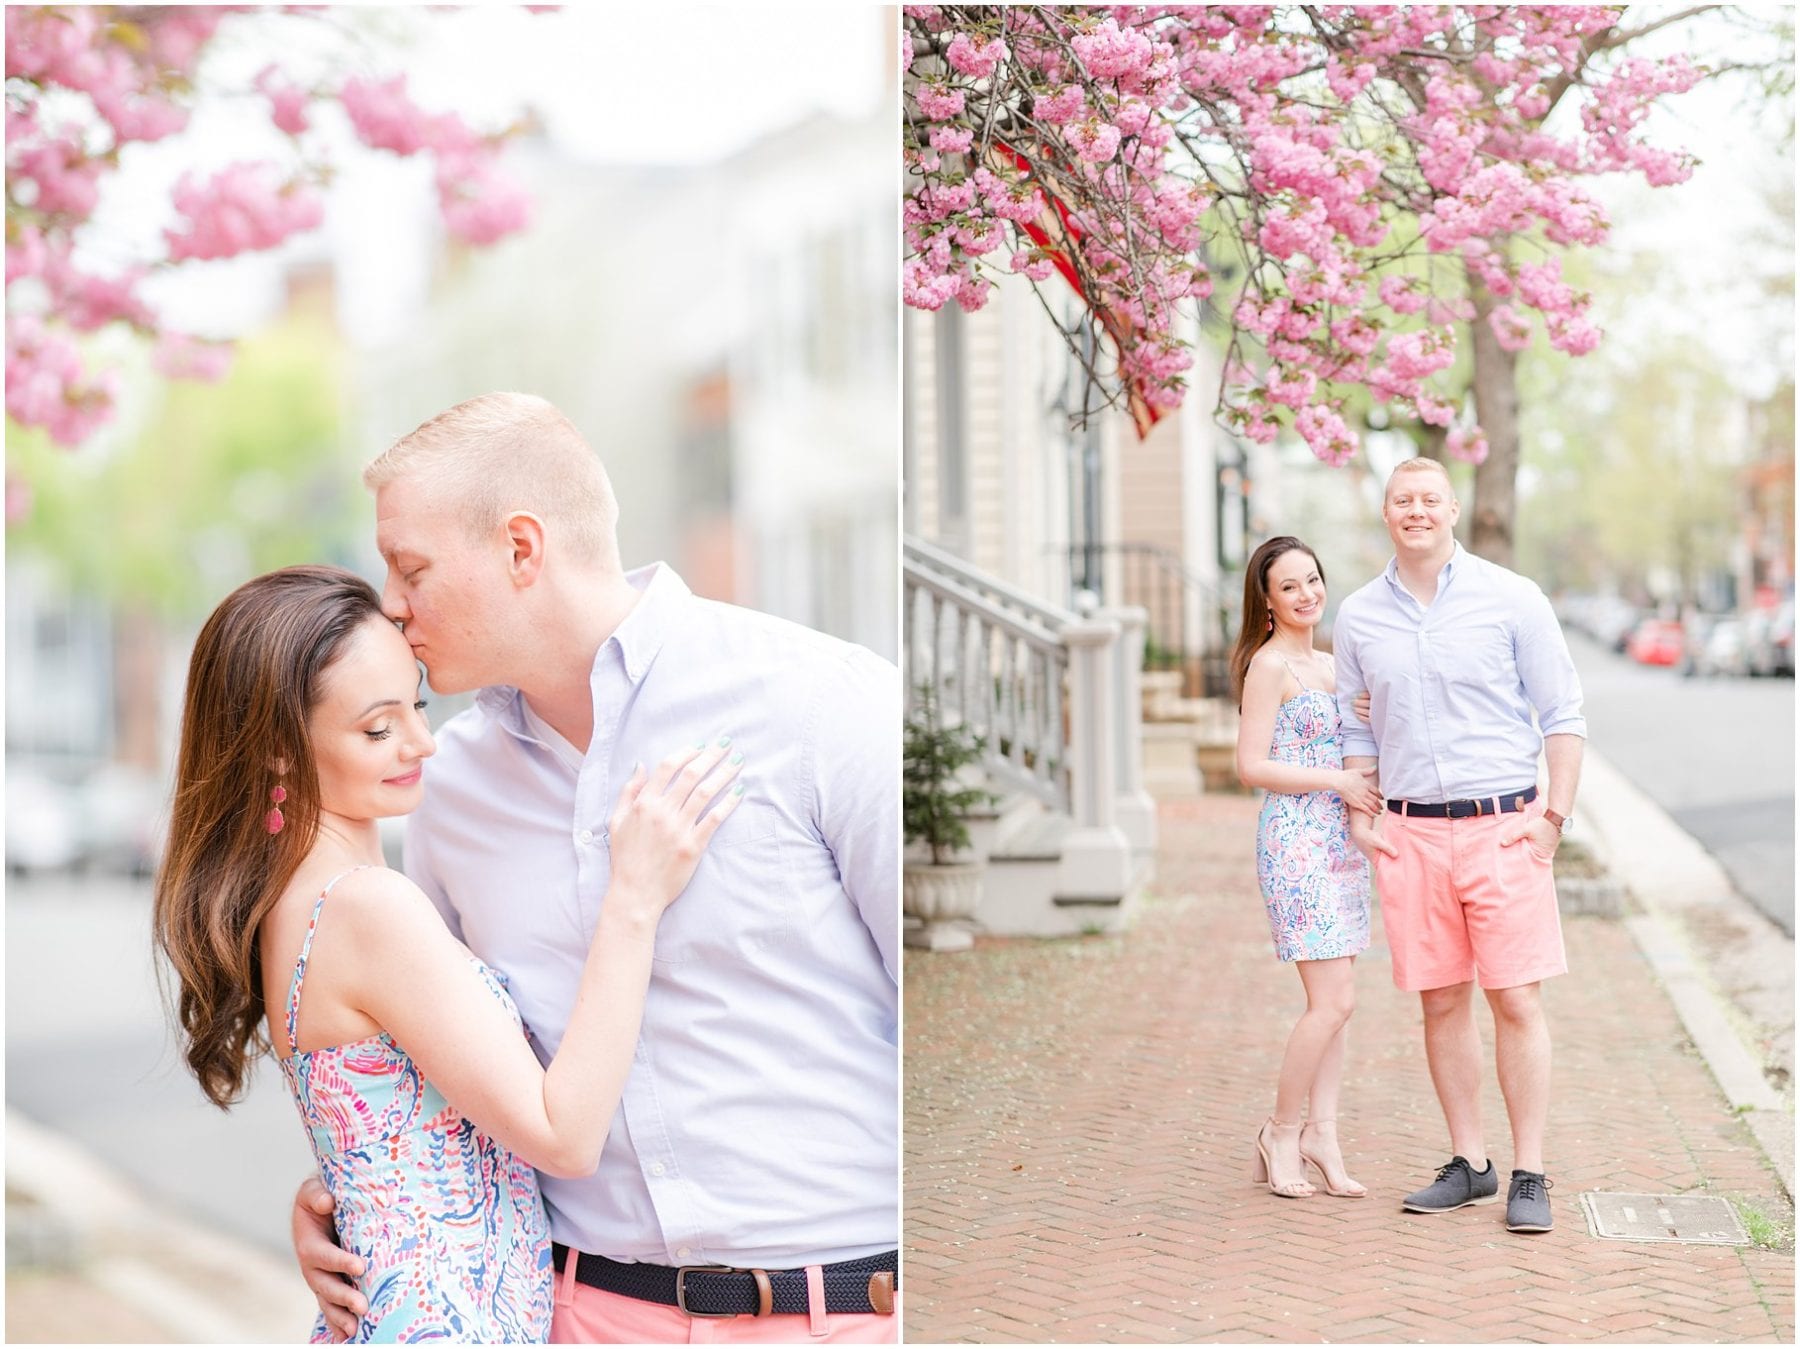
277, 794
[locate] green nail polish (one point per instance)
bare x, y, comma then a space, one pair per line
738, 790
724, 740
737, 758
701, 745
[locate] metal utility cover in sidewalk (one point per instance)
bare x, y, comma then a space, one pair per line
1697, 1218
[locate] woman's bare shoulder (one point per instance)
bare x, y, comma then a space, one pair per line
380, 895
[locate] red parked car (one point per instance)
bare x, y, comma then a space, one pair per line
1656, 641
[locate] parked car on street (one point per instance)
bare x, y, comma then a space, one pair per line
1656, 641
1613, 621
63, 814
43, 822
1770, 640
1722, 650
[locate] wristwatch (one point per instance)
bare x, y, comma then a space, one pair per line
1562, 822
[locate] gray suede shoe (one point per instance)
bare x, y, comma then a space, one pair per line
1457, 1186
1528, 1203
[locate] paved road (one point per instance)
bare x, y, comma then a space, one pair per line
1716, 753
88, 1054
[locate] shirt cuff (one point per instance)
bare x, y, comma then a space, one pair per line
1362, 745
1576, 725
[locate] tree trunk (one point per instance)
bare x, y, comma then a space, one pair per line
1430, 440
1497, 409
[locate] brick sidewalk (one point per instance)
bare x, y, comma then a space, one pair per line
1079, 1117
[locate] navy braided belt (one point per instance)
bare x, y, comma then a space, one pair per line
1466, 810
857, 1286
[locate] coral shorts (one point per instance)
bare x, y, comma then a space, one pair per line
1457, 905
593, 1316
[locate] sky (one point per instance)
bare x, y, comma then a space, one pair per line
1715, 233
611, 87
696, 83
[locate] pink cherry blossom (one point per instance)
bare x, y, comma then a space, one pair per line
1511, 329
63, 179
25, 253
1094, 140
969, 57
1097, 116
1403, 294
47, 386
386, 118
952, 140
938, 102
288, 102
1066, 104
179, 356
1326, 434
87, 302
84, 83
481, 204
1108, 51
239, 209
1468, 444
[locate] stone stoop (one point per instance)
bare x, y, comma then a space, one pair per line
1027, 889
1190, 746
1172, 760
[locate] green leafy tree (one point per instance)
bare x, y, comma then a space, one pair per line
223, 482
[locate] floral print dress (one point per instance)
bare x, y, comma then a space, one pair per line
449, 1223
1315, 881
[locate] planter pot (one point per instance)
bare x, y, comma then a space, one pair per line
943, 898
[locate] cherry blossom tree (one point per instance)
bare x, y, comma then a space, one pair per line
86, 87
1357, 192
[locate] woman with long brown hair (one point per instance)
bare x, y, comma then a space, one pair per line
424, 1103
1315, 883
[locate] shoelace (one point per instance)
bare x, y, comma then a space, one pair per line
1528, 1187
1449, 1169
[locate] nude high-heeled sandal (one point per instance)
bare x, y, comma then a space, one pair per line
1264, 1174
1351, 1189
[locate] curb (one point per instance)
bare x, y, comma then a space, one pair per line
1677, 882
188, 1279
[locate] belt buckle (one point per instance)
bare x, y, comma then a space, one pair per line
681, 1274
1462, 810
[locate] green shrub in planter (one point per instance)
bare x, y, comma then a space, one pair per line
936, 801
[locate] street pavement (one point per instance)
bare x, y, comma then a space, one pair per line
136, 1211
1716, 752
1079, 1117
90, 1053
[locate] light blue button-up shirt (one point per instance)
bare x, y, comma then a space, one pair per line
1453, 685
759, 1124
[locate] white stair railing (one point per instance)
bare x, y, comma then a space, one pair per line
1051, 691
1000, 674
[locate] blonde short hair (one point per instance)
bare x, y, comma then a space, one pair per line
1420, 464
506, 452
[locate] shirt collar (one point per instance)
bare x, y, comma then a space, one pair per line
1449, 569
661, 596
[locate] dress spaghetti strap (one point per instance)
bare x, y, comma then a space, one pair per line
293, 1000
1304, 686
